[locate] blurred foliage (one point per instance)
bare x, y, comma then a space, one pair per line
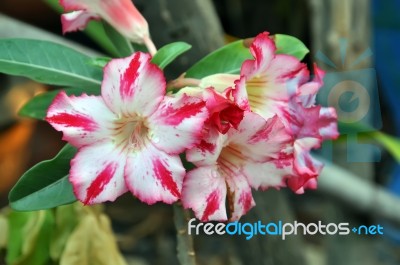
122, 45
29, 235
366, 133
4, 231
67, 235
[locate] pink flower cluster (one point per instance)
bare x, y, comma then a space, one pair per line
252, 130
270, 146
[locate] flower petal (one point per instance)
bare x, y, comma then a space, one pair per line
204, 191
83, 120
305, 166
76, 20
219, 82
271, 77
314, 121
280, 80
263, 50
328, 123
177, 124
152, 175
133, 85
121, 14
307, 92
239, 93
300, 121
304, 163
257, 139
208, 150
224, 113
97, 173
240, 198
269, 174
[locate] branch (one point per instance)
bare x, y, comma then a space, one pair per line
362, 195
186, 254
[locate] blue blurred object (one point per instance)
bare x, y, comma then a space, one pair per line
386, 32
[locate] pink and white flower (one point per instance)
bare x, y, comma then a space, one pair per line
224, 113
277, 84
225, 163
130, 137
271, 79
226, 156
121, 14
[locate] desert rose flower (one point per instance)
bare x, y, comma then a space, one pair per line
279, 84
225, 167
121, 14
224, 113
234, 142
130, 137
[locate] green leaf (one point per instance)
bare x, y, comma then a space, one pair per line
99, 61
121, 44
37, 107
45, 185
290, 45
4, 231
390, 143
366, 132
29, 234
66, 219
92, 242
95, 31
16, 221
47, 62
169, 53
227, 59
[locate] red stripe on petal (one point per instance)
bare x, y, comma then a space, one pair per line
176, 116
212, 205
300, 71
165, 177
264, 132
261, 48
246, 200
129, 77
283, 160
257, 52
73, 120
204, 146
102, 179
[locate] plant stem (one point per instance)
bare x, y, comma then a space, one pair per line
150, 45
186, 254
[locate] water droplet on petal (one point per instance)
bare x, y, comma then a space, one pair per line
214, 174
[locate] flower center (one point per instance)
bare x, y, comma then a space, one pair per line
133, 132
138, 135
